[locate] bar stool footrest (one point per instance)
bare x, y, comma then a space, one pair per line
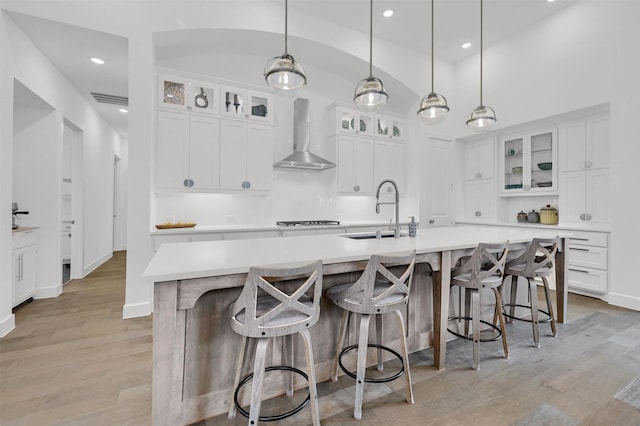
543, 320
371, 379
274, 417
486, 339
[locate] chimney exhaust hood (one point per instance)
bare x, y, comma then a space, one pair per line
302, 158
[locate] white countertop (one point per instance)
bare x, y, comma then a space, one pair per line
561, 226
214, 258
266, 227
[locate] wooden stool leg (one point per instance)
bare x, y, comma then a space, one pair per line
379, 341
475, 323
547, 295
258, 377
512, 297
467, 309
363, 339
311, 372
405, 357
236, 380
501, 319
289, 355
339, 346
533, 295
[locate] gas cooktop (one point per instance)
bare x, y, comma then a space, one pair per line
307, 222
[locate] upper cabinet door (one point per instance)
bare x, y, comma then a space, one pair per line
204, 152
188, 94
479, 160
584, 144
354, 122
172, 150
246, 104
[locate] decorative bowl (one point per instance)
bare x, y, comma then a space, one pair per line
545, 166
516, 169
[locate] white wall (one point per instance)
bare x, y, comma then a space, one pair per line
580, 57
21, 60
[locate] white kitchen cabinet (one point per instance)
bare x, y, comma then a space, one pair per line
24, 266
584, 144
246, 156
479, 183
529, 165
390, 163
479, 159
351, 121
588, 267
585, 196
187, 152
185, 94
389, 128
480, 199
246, 104
355, 165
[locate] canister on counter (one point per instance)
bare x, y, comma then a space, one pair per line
549, 215
533, 217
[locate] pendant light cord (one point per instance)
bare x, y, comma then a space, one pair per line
481, 51
286, 20
371, 39
432, 46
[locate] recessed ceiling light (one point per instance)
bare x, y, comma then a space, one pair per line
122, 110
549, 1
466, 45
97, 61
387, 13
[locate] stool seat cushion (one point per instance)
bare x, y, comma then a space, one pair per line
289, 316
357, 298
464, 280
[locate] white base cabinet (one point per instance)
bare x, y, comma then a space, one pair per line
589, 262
24, 266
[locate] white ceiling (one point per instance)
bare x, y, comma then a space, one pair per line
456, 21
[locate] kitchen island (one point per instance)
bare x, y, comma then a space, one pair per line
195, 350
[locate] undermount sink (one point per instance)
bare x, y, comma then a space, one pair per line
372, 235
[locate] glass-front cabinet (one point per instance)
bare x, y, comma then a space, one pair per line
354, 122
387, 127
246, 104
188, 94
529, 163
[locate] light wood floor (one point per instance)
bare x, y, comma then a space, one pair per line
72, 360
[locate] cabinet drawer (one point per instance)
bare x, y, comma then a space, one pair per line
586, 238
588, 256
588, 279
24, 238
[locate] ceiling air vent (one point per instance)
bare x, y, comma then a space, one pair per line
110, 99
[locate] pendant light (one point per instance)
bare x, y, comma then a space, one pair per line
283, 73
370, 94
483, 117
433, 108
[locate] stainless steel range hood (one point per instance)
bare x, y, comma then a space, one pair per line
302, 158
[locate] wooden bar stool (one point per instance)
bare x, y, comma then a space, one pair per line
264, 310
535, 263
378, 291
484, 269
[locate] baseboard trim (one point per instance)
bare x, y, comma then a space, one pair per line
624, 301
96, 263
7, 324
136, 310
48, 292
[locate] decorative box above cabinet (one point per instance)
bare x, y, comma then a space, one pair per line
246, 104
188, 95
529, 165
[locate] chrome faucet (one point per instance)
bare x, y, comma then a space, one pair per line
397, 203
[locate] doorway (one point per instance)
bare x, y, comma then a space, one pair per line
71, 202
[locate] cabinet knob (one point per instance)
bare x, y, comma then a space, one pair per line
478, 175
246, 184
478, 213
188, 182
432, 221
356, 188
588, 164
583, 216
587, 216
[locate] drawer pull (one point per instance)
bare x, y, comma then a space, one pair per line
578, 270
578, 239
578, 249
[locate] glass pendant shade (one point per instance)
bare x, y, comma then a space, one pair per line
284, 73
481, 119
433, 108
370, 94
